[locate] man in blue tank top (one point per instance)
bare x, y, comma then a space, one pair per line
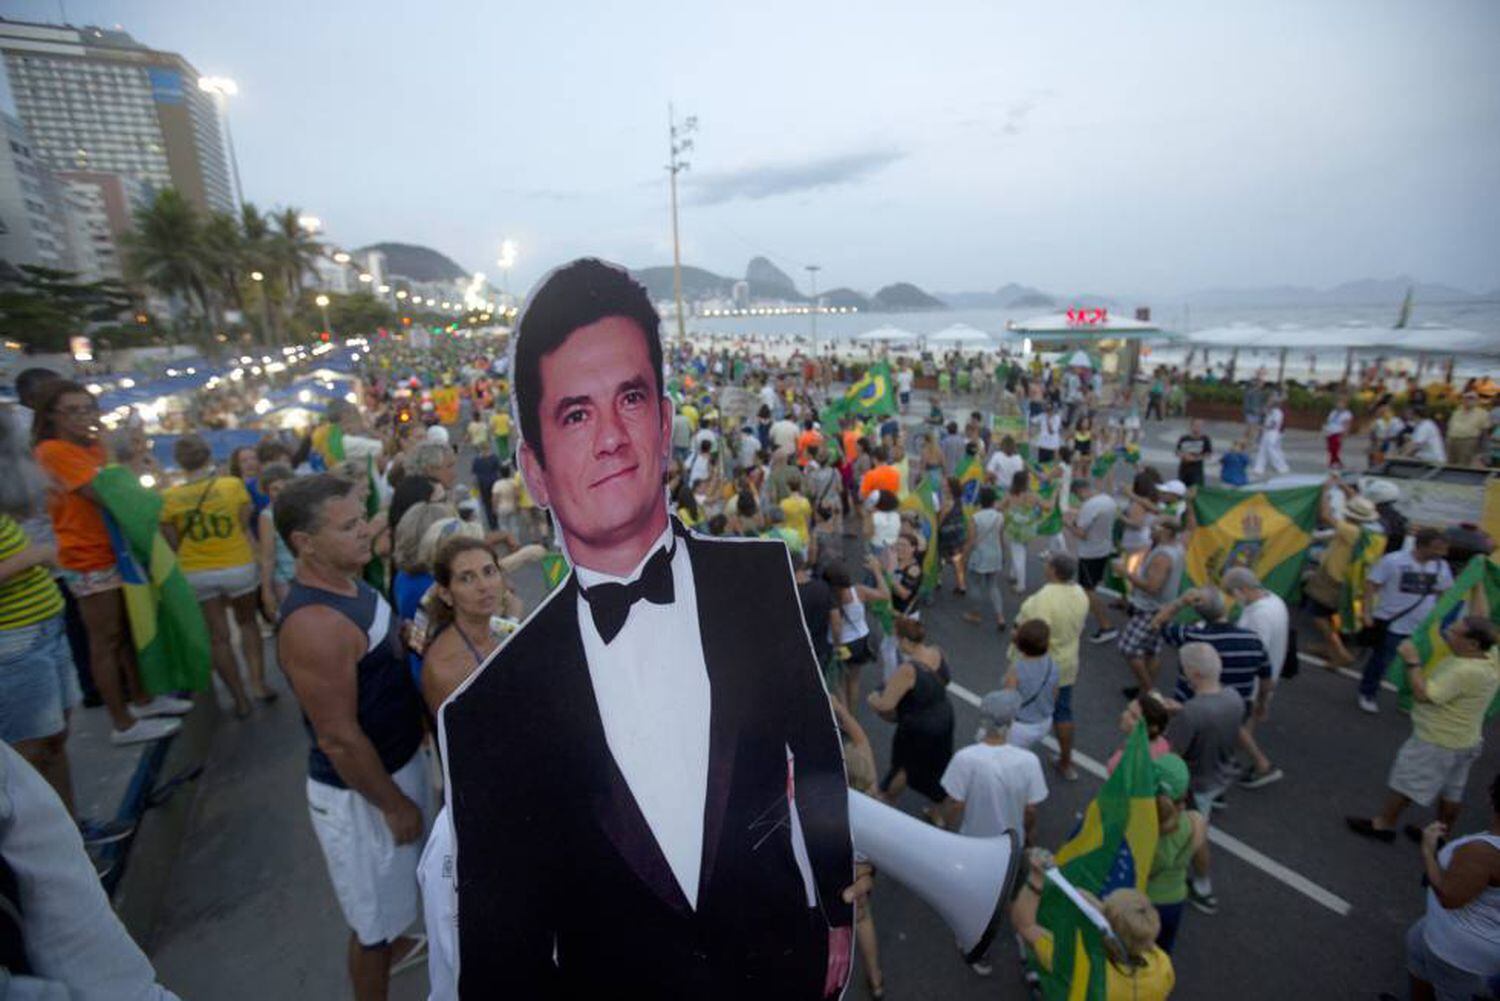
366, 785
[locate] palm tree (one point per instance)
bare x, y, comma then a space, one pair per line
224, 258
294, 250
165, 251
256, 240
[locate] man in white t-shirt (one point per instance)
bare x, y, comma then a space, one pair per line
1399, 592
1426, 442
1270, 451
993, 786
1004, 464
903, 386
1263, 613
1093, 525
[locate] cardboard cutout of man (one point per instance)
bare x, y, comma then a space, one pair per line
646, 782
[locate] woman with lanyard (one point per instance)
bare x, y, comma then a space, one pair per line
848, 628
469, 591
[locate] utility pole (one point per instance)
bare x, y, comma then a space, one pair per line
812, 276
679, 142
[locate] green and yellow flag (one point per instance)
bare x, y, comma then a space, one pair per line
554, 569
872, 395
1266, 530
1476, 591
1368, 549
923, 500
970, 475
1112, 849
166, 624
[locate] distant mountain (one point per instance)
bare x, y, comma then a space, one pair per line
905, 297
767, 281
1008, 296
420, 264
1012, 294
1033, 300
1364, 292
845, 298
696, 282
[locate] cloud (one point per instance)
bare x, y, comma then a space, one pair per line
771, 180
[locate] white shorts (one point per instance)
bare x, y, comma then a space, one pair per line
374, 879
1424, 771
439, 884
1028, 735
230, 582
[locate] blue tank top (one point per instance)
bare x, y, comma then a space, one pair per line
389, 708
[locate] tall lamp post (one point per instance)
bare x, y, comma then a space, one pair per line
812, 276
222, 88
322, 302
679, 141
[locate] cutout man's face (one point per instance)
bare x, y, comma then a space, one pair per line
604, 434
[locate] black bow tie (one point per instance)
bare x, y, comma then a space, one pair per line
610, 603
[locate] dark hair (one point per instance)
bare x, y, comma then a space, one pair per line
837, 576
956, 488
1020, 482
910, 630
192, 452
271, 450
719, 524
1064, 565
1033, 637
1154, 712
1482, 631
235, 469
986, 496
30, 381
44, 424
1425, 537
1144, 484
1495, 793
574, 296
276, 472
886, 501
440, 613
300, 506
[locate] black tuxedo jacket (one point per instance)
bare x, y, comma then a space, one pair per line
563, 890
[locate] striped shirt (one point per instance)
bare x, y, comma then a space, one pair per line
1241, 653
30, 596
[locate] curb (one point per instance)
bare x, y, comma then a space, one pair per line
160, 799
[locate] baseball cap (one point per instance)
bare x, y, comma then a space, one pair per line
1176, 487
1000, 707
1171, 775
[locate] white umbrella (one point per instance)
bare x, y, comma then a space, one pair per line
961, 334
1080, 359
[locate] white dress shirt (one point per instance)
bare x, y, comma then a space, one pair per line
651, 686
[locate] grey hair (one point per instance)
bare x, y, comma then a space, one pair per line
122, 445
23, 485
409, 533
1211, 604
1200, 660
1240, 579
426, 458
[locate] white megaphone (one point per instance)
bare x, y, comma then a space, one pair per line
968, 881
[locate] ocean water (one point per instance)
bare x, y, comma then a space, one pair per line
1314, 362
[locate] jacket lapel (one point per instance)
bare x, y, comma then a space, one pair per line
723, 650
613, 807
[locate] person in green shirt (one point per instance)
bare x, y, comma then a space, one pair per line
1181, 833
1448, 708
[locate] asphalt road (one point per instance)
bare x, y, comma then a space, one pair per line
250, 912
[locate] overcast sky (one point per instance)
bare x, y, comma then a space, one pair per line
1114, 147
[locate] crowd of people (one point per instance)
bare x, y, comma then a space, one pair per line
388, 581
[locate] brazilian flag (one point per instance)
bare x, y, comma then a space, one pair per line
872, 395
166, 623
1368, 549
1266, 530
970, 473
1111, 850
1481, 578
924, 501
374, 573
554, 569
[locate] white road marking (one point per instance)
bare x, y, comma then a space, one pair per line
1228, 842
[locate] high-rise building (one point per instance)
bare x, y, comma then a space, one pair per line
95, 99
100, 209
33, 224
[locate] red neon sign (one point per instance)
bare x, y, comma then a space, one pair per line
1088, 317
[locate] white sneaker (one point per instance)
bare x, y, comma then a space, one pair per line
162, 705
1368, 704
146, 730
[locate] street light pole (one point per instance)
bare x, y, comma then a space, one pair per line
322, 302
679, 143
812, 276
